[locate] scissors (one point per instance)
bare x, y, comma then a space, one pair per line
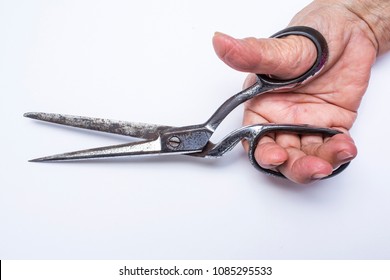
193, 140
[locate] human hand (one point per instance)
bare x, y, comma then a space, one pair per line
330, 100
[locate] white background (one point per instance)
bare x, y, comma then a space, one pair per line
152, 61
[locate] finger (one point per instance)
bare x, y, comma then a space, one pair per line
249, 80
309, 158
300, 167
286, 57
303, 169
293, 163
336, 150
270, 155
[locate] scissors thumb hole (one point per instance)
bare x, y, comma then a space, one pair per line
298, 56
321, 51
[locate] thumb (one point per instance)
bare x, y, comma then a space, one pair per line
286, 57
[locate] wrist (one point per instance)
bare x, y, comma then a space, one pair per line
376, 14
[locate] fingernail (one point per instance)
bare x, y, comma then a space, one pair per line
344, 156
319, 176
220, 34
276, 164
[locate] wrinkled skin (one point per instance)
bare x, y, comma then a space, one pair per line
330, 100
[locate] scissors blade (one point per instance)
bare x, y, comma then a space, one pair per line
129, 149
133, 129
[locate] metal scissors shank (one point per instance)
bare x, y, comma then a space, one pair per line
193, 140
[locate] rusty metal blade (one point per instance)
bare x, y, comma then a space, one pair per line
133, 129
130, 149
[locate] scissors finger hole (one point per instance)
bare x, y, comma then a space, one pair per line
290, 136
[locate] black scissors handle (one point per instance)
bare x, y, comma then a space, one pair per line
254, 133
294, 129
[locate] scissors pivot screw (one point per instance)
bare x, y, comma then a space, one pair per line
174, 142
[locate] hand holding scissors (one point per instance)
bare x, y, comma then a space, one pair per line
193, 140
